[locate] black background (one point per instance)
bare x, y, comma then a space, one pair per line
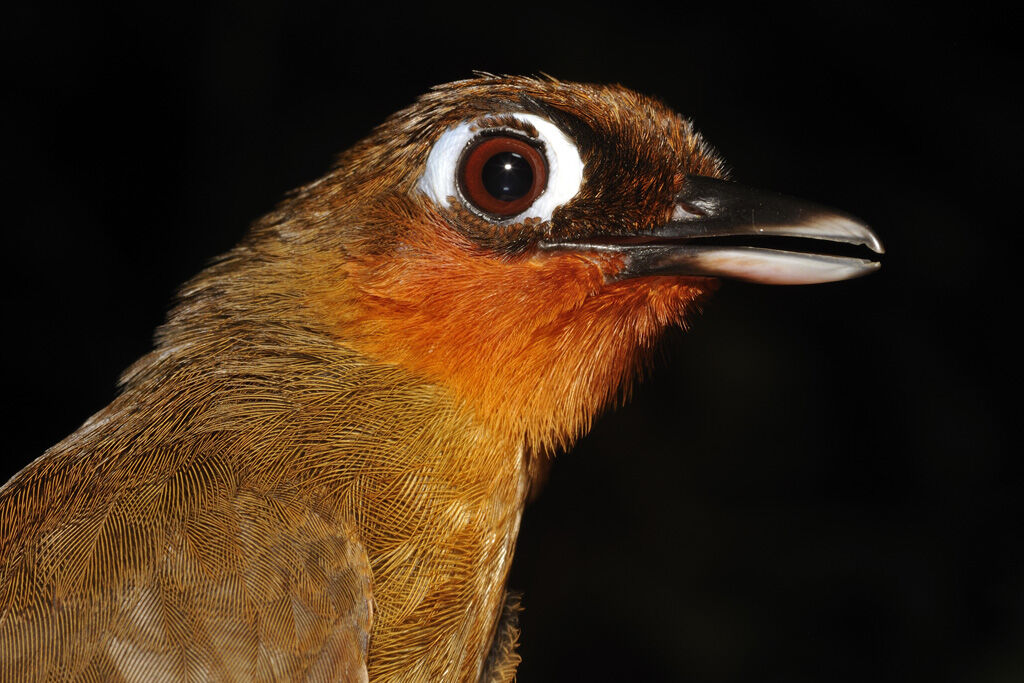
816, 484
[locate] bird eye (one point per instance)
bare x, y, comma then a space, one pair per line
502, 175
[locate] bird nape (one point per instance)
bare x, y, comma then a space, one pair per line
319, 471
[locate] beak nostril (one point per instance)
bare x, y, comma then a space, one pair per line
685, 211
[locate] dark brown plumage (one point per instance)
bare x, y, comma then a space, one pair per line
318, 473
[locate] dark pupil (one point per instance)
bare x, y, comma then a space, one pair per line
507, 176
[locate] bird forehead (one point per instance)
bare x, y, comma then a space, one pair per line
600, 115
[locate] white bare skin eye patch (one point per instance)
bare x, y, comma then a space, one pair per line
565, 168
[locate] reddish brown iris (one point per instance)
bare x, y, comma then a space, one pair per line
502, 175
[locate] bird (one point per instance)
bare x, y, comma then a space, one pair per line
318, 472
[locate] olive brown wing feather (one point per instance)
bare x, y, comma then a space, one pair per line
190, 577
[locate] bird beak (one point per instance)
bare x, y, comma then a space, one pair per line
722, 229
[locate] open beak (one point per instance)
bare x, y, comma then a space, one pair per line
722, 229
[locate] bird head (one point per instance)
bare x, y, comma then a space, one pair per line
523, 243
